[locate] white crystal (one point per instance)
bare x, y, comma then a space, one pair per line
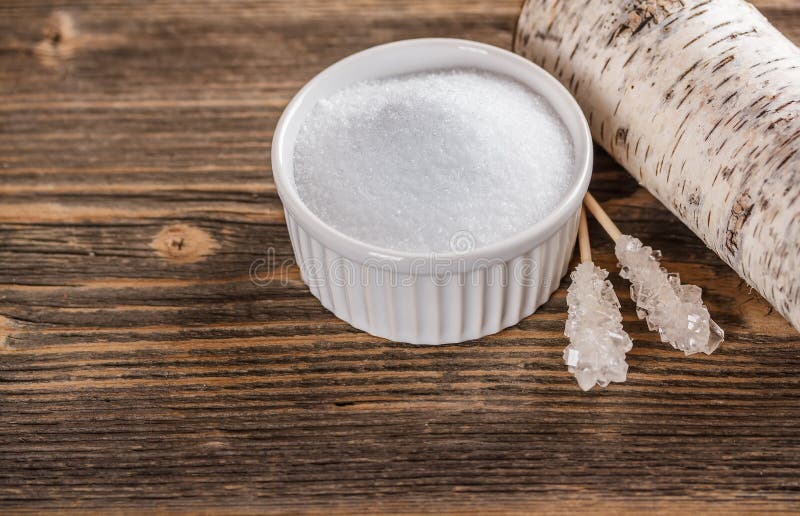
596, 352
406, 162
676, 311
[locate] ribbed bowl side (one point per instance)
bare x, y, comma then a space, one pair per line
433, 309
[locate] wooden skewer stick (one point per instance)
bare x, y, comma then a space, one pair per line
583, 238
602, 217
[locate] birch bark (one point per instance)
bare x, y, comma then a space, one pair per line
699, 101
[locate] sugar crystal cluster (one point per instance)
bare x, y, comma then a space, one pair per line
676, 311
596, 352
406, 162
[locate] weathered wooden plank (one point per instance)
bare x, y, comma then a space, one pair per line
141, 368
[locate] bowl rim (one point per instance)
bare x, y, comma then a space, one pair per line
434, 262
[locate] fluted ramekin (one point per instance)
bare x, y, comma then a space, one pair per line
431, 298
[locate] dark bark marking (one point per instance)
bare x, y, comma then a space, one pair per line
695, 15
677, 142
740, 148
726, 79
727, 172
723, 172
575, 25
722, 63
787, 158
683, 122
732, 36
759, 99
605, 66
733, 116
552, 20
729, 97
645, 22
693, 41
621, 137
767, 63
789, 140
686, 96
740, 212
687, 72
765, 72
546, 36
713, 129
641, 15
666, 25
719, 149
630, 57
615, 33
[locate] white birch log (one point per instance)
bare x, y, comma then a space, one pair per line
699, 101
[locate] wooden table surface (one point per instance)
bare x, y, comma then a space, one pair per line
140, 368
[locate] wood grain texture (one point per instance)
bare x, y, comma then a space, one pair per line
141, 369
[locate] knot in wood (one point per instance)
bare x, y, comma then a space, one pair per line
60, 40
181, 243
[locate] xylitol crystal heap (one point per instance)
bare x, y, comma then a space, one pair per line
407, 162
596, 352
676, 311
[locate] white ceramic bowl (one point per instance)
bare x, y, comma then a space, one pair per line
442, 298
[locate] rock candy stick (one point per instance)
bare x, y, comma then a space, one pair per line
596, 352
676, 311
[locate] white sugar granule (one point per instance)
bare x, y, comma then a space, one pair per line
410, 161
